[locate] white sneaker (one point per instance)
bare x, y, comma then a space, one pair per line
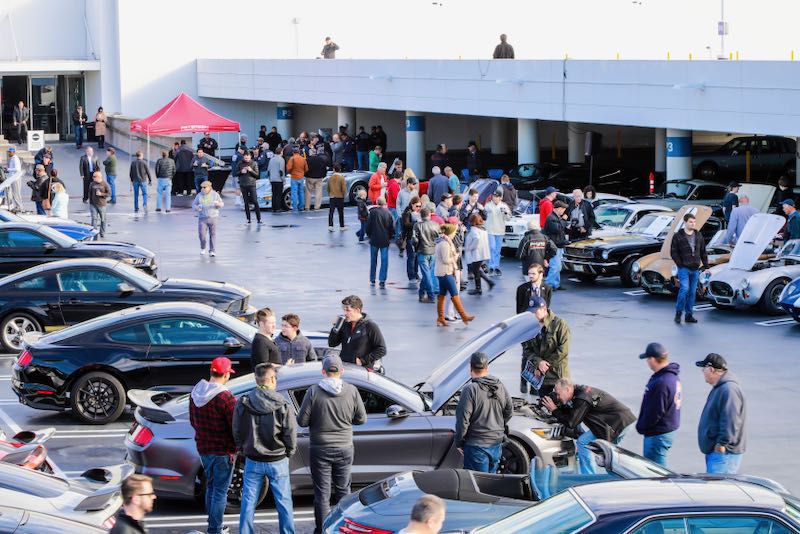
202, 252
212, 253
330, 228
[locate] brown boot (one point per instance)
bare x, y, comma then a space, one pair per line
440, 321
460, 309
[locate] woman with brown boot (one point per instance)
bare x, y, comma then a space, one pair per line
446, 260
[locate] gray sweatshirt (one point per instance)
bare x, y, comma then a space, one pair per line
207, 205
329, 410
484, 409
723, 419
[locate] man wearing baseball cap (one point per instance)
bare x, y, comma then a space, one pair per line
660, 414
546, 204
329, 410
721, 432
211, 408
484, 409
555, 229
549, 349
792, 220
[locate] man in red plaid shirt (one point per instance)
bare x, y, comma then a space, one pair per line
211, 414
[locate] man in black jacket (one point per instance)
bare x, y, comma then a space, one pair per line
581, 216
535, 247
484, 409
363, 146
184, 174
688, 251
380, 230
604, 416
273, 139
86, 166
473, 159
247, 171
554, 229
317, 169
208, 144
264, 349
20, 119
361, 339
264, 429
138, 498
534, 287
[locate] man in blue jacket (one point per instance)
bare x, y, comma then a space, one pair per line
660, 414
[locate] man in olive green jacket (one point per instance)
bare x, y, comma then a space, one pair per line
549, 350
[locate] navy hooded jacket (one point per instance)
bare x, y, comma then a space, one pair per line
661, 404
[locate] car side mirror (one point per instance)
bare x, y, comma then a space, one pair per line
395, 411
232, 343
125, 288
47, 246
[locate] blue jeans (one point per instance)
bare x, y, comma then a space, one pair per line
726, 463
398, 230
688, 291
554, 272
495, 244
298, 194
412, 266
219, 471
277, 475
586, 465
363, 160
373, 262
447, 284
139, 186
656, 447
483, 459
199, 179
112, 183
164, 190
39, 208
429, 284
78, 135
361, 233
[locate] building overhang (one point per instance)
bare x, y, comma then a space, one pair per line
48, 66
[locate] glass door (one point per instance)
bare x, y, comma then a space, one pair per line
43, 104
70, 94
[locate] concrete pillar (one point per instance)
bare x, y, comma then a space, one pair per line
285, 120
660, 164
796, 162
679, 154
499, 135
346, 117
415, 143
576, 142
527, 141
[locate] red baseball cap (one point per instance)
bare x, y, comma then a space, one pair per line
222, 365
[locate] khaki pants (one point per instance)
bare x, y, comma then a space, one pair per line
314, 186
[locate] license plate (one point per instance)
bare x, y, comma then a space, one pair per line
579, 268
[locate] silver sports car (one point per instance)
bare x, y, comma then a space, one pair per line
415, 424
748, 281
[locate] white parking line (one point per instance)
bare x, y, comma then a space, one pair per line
204, 522
777, 322
703, 307
636, 292
259, 515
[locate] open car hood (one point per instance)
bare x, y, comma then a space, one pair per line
760, 195
701, 214
451, 375
759, 231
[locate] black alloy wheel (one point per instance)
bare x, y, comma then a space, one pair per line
97, 398
515, 459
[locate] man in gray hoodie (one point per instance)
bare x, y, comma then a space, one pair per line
721, 432
484, 409
265, 432
329, 410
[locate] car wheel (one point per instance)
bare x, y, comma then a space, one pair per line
586, 277
287, 199
235, 489
97, 398
355, 190
14, 326
626, 274
515, 459
769, 300
707, 171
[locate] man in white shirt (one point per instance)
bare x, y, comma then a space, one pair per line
427, 516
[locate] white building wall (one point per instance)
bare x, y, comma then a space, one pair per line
44, 29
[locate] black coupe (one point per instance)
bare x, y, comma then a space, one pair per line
25, 245
66, 292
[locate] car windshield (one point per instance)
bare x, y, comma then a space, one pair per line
791, 248
652, 225
57, 237
610, 215
7, 216
561, 514
141, 279
638, 467
675, 189
739, 143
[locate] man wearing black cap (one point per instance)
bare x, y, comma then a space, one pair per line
484, 409
329, 410
660, 414
721, 432
792, 220
731, 199
549, 349
555, 229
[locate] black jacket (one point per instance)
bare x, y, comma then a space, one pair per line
681, 251
407, 223
588, 218
554, 229
264, 426
79, 118
247, 178
127, 525
165, 168
183, 159
363, 142
535, 247
317, 167
380, 227
140, 171
524, 295
209, 146
83, 165
363, 209
474, 163
264, 350
362, 340
604, 415
273, 139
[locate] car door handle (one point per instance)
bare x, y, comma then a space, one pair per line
74, 301
167, 358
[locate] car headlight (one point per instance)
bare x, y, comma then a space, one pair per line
544, 433
745, 283
605, 254
636, 267
674, 270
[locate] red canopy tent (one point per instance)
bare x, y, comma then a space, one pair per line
182, 115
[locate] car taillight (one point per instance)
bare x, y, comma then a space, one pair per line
36, 458
25, 359
109, 523
142, 436
351, 527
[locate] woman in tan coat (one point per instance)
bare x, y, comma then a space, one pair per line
445, 267
100, 127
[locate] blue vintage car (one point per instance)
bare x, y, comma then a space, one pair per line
75, 230
790, 299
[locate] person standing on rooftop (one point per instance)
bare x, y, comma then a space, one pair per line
329, 49
503, 50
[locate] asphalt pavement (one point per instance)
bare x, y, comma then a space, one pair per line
293, 264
